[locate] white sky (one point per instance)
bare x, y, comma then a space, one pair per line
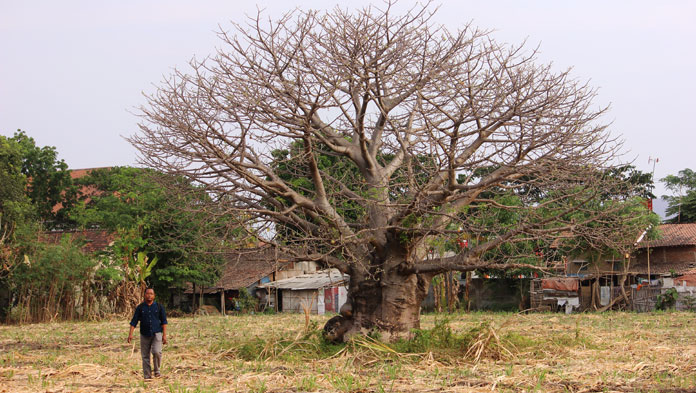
72, 72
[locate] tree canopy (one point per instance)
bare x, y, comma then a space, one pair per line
16, 211
49, 185
682, 204
15, 206
139, 206
166, 233
410, 112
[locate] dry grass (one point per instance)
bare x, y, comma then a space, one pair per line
273, 353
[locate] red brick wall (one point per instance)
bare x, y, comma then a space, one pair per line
668, 255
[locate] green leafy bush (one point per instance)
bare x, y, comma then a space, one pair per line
246, 302
667, 300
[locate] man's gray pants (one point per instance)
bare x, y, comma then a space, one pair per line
151, 345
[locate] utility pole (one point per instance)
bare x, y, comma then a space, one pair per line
652, 176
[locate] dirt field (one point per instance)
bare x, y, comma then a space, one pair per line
607, 352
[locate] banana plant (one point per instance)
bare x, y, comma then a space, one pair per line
142, 269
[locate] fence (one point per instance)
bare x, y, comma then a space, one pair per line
645, 299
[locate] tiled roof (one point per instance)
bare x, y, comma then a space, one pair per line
686, 279
78, 173
95, 239
244, 267
673, 235
84, 190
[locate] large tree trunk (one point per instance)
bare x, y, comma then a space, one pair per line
387, 303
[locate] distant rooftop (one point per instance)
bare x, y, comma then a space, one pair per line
673, 235
94, 239
82, 172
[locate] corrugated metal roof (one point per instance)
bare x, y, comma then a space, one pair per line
320, 279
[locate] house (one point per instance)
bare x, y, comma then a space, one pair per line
669, 262
600, 279
597, 285
244, 269
634, 282
85, 191
94, 240
317, 292
673, 254
600, 282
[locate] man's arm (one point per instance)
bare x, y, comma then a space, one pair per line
163, 321
133, 323
130, 334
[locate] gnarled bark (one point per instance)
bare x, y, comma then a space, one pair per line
390, 306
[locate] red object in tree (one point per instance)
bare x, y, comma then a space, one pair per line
648, 203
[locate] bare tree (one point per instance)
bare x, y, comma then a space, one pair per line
389, 120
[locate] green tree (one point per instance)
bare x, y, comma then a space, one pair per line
14, 203
682, 202
47, 281
17, 214
637, 183
153, 222
620, 203
50, 186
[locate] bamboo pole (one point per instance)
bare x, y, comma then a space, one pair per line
222, 302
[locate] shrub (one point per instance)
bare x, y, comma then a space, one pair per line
667, 300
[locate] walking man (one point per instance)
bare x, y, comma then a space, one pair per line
153, 332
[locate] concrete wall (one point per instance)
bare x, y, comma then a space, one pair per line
297, 269
687, 298
488, 294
